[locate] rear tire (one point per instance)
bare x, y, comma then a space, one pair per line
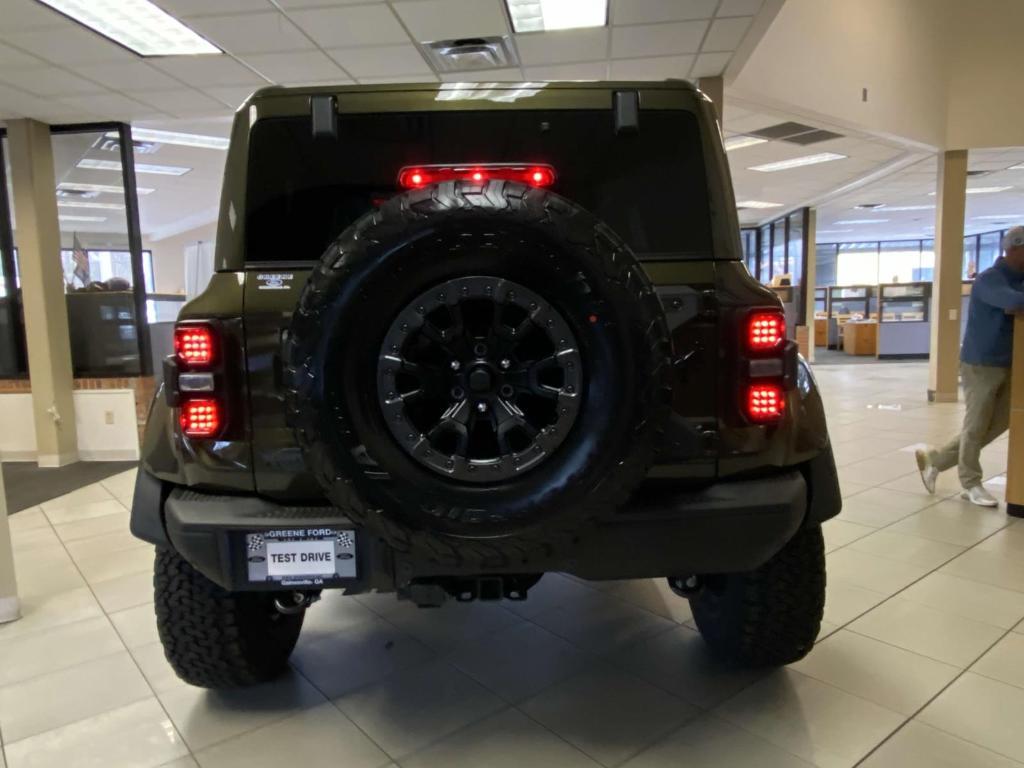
214, 638
770, 616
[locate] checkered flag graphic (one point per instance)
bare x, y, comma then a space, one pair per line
345, 539
255, 543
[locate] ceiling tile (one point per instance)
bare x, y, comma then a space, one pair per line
24, 14
657, 68
289, 4
127, 76
358, 25
726, 34
739, 7
252, 32
68, 44
303, 66
562, 46
11, 58
591, 70
380, 60
181, 8
183, 102
649, 11
202, 71
230, 95
431, 78
710, 64
111, 105
51, 81
451, 19
507, 75
657, 39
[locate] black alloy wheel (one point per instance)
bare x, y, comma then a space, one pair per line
479, 379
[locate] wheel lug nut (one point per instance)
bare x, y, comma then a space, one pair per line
481, 407
505, 363
455, 365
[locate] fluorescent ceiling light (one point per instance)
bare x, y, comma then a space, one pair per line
907, 208
76, 186
115, 165
82, 218
77, 204
757, 204
544, 15
999, 216
981, 190
862, 221
797, 162
833, 231
173, 137
1017, 167
137, 25
739, 142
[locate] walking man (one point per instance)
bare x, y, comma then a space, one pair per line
985, 371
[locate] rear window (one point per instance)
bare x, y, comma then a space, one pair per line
649, 186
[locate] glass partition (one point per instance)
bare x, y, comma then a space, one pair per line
13, 355
778, 249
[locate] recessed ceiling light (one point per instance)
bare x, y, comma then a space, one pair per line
739, 142
797, 162
544, 15
138, 25
76, 204
77, 186
115, 165
907, 208
173, 137
82, 218
862, 221
981, 190
757, 204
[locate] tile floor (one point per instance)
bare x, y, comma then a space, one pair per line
920, 663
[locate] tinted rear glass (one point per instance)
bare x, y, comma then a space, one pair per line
648, 186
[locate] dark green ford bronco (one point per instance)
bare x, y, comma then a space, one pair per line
461, 336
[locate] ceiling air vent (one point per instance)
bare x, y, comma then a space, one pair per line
977, 173
869, 206
470, 54
796, 133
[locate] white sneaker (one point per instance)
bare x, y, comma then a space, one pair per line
929, 474
978, 495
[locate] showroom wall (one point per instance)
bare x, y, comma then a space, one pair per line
169, 256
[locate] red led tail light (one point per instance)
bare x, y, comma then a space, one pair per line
766, 331
194, 344
765, 402
414, 177
200, 418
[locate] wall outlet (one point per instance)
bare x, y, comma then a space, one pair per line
108, 417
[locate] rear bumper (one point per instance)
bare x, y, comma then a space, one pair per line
727, 527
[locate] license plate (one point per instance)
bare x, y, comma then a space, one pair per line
301, 556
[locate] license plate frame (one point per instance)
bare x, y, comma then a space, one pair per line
301, 557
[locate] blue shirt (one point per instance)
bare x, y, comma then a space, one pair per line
989, 336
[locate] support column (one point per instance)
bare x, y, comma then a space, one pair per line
810, 277
714, 89
9, 608
42, 285
951, 200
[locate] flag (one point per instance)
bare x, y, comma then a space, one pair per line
80, 259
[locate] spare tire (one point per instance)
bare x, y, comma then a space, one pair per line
477, 372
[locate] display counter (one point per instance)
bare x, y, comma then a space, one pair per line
847, 303
860, 337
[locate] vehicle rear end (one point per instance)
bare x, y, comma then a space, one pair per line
652, 420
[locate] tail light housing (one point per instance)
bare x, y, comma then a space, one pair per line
200, 417
195, 345
766, 331
414, 177
766, 402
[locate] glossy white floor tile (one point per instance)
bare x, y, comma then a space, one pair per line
924, 614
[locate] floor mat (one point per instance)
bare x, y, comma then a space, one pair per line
28, 485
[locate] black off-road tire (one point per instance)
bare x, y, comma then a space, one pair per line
770, 616
420, 239
214, 638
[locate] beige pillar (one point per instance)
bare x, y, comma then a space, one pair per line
714, 89
951, 199
809, 279
9, 608
42, 283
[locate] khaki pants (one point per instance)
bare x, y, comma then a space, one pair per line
987, 395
